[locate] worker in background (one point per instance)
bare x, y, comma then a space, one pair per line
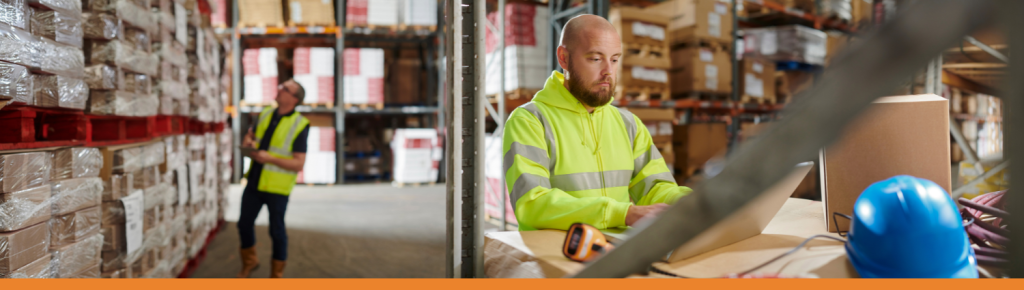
570, 156
280, 138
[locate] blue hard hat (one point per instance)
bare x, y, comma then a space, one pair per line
908, 227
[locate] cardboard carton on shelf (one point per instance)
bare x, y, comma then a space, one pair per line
757, 79
75, 227
23, 247
25, 208
73, 259
38, 269
696, 19
695, 144
903, 135
659, 122
71, 195
700, 69
24, 170
76, 162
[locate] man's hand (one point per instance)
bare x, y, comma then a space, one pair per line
638, 212
248, 140
261, 156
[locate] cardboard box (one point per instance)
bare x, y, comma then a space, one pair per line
834, 43
92, 271
76, 162
786, 43
74, 227
790, 83
695, 144
757, 78
38, 269
311, 12
118, 186
23, 247
71, 195
75, 258
905, 135
267, 12
698, 69
24, 208
702, 19
659, 122
20, 171
121, 159
636, 26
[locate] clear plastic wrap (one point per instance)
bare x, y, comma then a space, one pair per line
138, 39
60, 91
115, 274
74, 227
73, 6
155, 197
137, 83
70, 260
118, 53
171, 52
173, 89
98, 25
118, 186
115, 245
147, 177
76, 162
71, 195
128, 160
16, 82
24, 170
24, 208
59, 58
13, 12
58, 25
22, 247
786, 43
38, 269
154, 154
111, 103
166, 105
126, 10
103, 77
145, 105
18, 46
92, 272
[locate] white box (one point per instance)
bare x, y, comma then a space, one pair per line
413, 155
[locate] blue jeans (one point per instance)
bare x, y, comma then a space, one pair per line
252, 203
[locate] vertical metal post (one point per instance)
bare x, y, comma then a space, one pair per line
1013, 127
473, 201
501, 106
734, 127
453, 138
236, 95
339, 95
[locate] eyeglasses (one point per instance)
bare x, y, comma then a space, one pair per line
282, 87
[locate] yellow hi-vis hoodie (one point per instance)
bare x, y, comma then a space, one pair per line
565, 165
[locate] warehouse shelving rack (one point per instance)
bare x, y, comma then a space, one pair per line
339, 35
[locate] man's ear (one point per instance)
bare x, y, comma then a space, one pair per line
563, 57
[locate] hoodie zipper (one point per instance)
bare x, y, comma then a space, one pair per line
600, 166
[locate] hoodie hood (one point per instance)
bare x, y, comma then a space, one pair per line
555, 94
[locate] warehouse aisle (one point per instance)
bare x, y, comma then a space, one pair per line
352, 231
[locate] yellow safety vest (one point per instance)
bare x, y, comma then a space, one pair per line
274, 179
565, 165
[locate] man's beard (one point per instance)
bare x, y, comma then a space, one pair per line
583, 93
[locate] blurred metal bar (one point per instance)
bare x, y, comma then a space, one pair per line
236, 96
339, 98
872, 69
981, 178
984, 47
500, 120
1013, 126
453, 13
969, 154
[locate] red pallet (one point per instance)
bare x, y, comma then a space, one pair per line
25, 127
171, 125
197, 127
116, 130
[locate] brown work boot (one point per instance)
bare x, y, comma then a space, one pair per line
249, 261
277, 268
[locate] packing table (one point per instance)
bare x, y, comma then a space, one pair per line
538, 254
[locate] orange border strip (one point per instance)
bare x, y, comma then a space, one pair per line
511, 284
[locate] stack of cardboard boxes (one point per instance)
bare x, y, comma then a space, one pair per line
364, 76
699, 34
170, 84
314, 70
645, 60
526, 49
259, 66
119, 35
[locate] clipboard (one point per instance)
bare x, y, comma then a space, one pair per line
247, 151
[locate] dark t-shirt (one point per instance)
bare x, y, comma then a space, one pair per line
256, 168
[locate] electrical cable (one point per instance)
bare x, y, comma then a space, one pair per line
790, 252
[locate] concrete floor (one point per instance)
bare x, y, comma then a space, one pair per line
351, 231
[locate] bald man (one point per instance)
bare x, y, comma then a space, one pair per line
571, 157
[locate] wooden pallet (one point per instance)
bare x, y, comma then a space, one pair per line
311, 23
704, 96
371, 27
378, 106
701, 41
260, 24
636, 54
642, 93
762, 101
401, 185
404, 27
329, 105
271, 104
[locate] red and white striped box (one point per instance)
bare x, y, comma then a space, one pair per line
414, 160
321, 162
355, 11
364, 75
259, 67
314, 70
